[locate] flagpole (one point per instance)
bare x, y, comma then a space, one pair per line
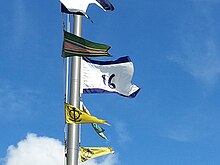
73, 129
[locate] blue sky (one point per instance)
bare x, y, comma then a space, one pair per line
174, 46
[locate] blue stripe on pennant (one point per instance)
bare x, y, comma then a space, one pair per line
97, 90
118, 61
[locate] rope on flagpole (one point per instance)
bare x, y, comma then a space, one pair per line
66, 63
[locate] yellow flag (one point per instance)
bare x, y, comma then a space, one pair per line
93, 152
74, 115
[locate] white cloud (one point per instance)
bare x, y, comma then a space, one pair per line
179, 132
19, 20
16, 100
209, 1
122, 131
23, 25
197, 123
198, 51
202, 62
109, 160
36, 150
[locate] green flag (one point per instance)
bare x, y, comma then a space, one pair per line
99, 130
77, 46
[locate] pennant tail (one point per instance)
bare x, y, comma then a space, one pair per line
98, 129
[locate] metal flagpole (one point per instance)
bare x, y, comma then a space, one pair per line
73, 129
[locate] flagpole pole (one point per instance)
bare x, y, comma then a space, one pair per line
73, 129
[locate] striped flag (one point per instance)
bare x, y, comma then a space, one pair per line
77, 46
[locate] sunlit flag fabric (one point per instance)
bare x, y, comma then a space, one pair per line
99, 130
87, 153
80, 6
109, 77
74, 115
78, 46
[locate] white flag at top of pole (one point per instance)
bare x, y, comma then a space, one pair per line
109, 77
80, 6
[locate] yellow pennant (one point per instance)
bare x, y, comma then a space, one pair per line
74, 115
87, 153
